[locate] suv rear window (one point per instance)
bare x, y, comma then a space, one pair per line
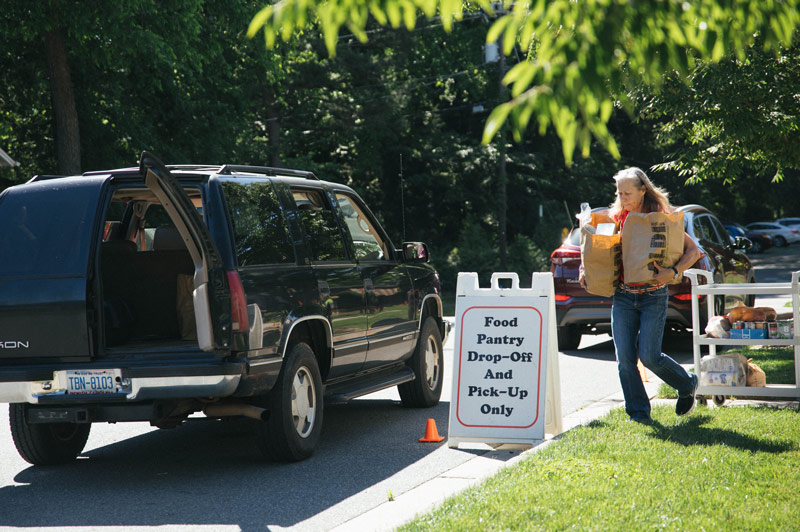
41, 229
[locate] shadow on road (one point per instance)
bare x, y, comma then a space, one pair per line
210, 473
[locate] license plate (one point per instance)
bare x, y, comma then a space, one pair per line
92, 381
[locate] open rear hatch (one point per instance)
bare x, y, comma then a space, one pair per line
210, 292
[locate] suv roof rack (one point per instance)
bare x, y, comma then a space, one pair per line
44, 178
225, 169
267, 170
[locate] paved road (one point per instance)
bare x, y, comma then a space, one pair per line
208, 475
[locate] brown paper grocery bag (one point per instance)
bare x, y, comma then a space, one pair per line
647, 239
600, 257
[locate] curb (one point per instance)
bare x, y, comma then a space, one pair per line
389, 515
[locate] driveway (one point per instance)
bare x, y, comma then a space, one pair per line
207, 475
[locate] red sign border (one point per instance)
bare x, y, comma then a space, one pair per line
460, 359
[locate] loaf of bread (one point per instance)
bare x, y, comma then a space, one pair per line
743, 313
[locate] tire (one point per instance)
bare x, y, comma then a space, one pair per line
569, 338
292, 431
46, 443
757, 247
780, 241
427, 362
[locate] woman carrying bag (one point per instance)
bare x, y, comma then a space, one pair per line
639, 310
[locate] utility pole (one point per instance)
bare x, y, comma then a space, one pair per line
494, 53
502, 200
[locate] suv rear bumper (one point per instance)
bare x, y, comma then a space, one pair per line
136, 384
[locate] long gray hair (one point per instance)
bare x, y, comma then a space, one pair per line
656, 199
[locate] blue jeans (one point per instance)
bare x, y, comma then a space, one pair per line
637, 326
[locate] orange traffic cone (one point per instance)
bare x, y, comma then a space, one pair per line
431, 434
642, 371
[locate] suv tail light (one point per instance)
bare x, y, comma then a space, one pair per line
562, 256
687, 296
238, 303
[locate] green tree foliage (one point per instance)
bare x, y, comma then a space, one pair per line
581, 53
171, 77
738, 118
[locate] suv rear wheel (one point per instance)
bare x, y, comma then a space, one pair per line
427, 362
292, 431
46, 443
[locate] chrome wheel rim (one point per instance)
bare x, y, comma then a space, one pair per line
432, 367
304, 402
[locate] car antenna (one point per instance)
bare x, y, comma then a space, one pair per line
402, 200
571, 223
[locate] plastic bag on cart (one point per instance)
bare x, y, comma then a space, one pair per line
718, 327
727, 369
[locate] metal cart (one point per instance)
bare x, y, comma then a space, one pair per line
711, 289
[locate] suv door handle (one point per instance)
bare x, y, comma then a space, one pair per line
368, 286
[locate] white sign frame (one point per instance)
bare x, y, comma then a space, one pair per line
506, 387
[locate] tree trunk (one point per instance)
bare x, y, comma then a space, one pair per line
67, 133
273, 129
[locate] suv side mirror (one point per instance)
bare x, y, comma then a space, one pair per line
743, 243
416, 252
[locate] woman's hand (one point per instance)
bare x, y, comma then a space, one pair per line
664, 275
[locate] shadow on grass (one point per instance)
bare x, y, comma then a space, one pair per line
693, 432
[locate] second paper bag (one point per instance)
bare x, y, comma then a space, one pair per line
647, 239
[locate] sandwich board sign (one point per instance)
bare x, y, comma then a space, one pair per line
506, 386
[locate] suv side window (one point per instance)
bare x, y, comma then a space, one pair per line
319, 225
367, 243
707, 227
725, 238
259, 230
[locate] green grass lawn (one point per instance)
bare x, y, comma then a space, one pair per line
716, 469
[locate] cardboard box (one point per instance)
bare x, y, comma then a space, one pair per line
749, 334
727, 369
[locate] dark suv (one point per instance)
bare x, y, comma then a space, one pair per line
153, 293
579, 312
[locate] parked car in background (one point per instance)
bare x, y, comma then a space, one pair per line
780, 234
761, 240
792, 223
579, 312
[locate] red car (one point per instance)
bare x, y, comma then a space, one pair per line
579, 312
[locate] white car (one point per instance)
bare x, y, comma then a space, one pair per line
780, 234
793, 223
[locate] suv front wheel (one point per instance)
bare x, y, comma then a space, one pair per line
292, 431
427, 362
